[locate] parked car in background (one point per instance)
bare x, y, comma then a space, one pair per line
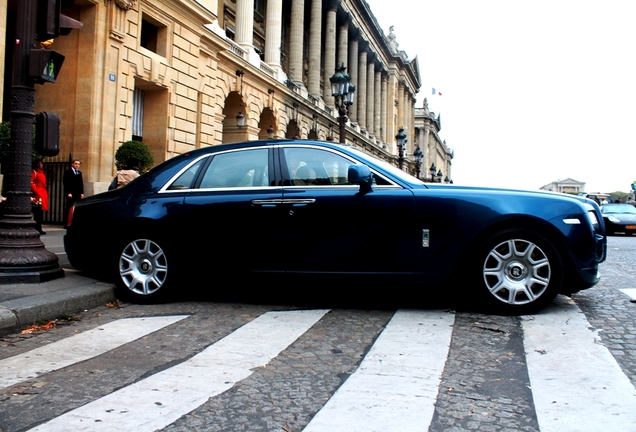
600, 198
619, 218
304, 210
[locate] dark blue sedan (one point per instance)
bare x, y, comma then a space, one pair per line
306, 209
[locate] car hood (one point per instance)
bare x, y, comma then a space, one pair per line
506, 192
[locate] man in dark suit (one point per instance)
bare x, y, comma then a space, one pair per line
73, 187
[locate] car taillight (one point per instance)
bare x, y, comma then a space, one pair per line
69, 221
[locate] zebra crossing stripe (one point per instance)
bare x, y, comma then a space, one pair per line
576, 382
161, 399
631, 292
80, 347
396, 385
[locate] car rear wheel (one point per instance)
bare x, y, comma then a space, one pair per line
520, 273
142, 271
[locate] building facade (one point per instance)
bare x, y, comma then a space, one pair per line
437, 157
568, 185
175, 74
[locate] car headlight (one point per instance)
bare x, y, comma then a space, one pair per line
613, 219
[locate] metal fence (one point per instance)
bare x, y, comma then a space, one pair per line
54, 172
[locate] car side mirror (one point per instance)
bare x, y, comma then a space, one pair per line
361, 174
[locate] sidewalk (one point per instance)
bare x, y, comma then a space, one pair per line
22, 305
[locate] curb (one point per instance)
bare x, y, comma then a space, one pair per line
21, 312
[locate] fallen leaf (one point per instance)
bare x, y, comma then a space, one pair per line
39, 327
114, 304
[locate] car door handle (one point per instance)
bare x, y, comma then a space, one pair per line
267, 202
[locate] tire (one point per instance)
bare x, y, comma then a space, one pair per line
520, 272
141, 272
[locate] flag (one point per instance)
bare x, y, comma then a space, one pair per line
435, 92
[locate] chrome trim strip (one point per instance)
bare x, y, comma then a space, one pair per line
266, 201
283, 201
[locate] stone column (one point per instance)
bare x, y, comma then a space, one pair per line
296, 44
343, 43
273, 32
420, 139
412, 121
400, 106
377, 104
330, 52
407, 119
352, 69
383, 107
370, 97
391, 116
245, 23
428, 159
361, 91
315, 39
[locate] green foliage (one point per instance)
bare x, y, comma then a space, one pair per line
614, 196
5, 143
134, 154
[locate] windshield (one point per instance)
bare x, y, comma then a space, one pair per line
618, 208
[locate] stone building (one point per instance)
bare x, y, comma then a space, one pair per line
175, 74
436, 155
567, 185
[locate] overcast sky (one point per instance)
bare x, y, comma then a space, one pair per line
532, 91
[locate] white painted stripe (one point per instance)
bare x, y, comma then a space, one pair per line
577, 384
161, 399
630, 292
396, 385
79, 347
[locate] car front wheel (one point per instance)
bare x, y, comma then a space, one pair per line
142, 271
521, 272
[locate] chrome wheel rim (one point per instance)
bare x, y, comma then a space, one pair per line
517, 272
143, 267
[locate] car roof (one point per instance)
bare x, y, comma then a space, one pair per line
264, 143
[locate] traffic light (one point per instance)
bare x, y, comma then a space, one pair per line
45, 64
47, 133
51, 23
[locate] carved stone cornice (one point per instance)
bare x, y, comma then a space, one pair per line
124, 4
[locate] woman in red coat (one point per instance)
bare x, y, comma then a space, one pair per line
40, 195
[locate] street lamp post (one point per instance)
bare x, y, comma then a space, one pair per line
418, 160
342, 90
433, 171
23, 256
401, 142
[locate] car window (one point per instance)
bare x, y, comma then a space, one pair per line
315, 167
246, 168
619, 208
186, 179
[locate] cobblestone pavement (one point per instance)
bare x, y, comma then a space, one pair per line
609, 310
484, 385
